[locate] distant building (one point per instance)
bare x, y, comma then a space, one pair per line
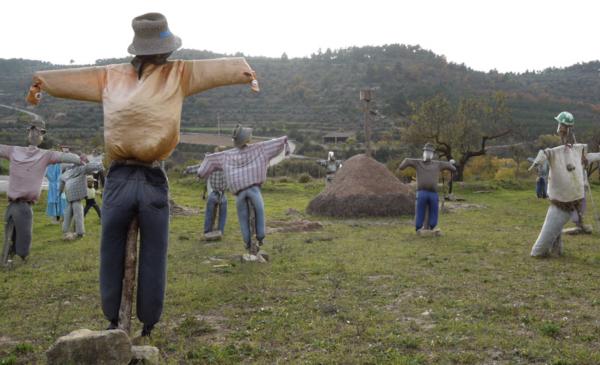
337, 137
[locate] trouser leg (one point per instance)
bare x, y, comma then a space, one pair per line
78, 217
222, 212
153, 200
551, 230
117, 212
22, 215
433, 209
420, 206
243, 215
68, 218
259, 211
97, 209
88, 205
209, 212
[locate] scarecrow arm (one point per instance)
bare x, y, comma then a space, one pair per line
448, 166
200, 75
5, 151
63, 157
210, 164
84, 84
540, 158
593, 157
407, 162
274, 147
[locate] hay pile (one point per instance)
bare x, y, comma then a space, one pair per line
364, 187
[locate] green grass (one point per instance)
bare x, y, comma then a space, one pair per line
361, 291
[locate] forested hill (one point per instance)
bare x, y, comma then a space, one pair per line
321, 92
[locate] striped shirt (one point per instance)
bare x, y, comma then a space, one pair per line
244, 167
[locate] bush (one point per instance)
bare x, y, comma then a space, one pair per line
304, 178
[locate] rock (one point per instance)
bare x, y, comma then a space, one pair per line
145, 355
292, 211
213, 236
87, 347
586, 229
261, 257
299, 225
264, 255
429, 232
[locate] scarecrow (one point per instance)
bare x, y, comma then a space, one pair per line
27, 168
55, 206
74, 183
566, 186
216, 205
90, 198
541, 183
142, 103
245, 169
428, 172
331, 165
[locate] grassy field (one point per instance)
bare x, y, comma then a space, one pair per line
360, 291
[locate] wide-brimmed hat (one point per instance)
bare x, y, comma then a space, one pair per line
152, 36
241, 135
429, 147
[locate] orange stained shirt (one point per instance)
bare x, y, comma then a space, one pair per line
142, 117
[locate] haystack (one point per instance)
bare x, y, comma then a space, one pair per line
364, 187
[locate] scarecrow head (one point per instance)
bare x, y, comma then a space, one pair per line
35, 132
428, 151
566, 124
241, 136
152, 42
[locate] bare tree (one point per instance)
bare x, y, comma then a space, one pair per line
462, 131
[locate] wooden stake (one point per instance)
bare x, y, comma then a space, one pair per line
129, 273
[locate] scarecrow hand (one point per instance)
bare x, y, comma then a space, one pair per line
35, 94
254, 82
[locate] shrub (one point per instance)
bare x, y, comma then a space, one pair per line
304, 178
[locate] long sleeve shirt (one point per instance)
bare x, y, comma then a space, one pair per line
246, 166
428, 172
27, 169
74, 180
142, 116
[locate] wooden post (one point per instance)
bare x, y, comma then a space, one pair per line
365, 96
129, 273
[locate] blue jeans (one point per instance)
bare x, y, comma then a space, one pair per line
540, 188
426, 200
253, 194
211, 204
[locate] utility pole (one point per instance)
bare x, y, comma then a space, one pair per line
366, 97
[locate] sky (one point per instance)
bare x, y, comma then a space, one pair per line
508, 35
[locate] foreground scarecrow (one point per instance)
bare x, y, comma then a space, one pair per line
428, 172
245, 169
27, 168
566, 185
142, 103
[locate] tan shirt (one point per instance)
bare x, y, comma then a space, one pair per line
142, 117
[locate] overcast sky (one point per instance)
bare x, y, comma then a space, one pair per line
507, 35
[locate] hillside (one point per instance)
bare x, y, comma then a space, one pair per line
321, 92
